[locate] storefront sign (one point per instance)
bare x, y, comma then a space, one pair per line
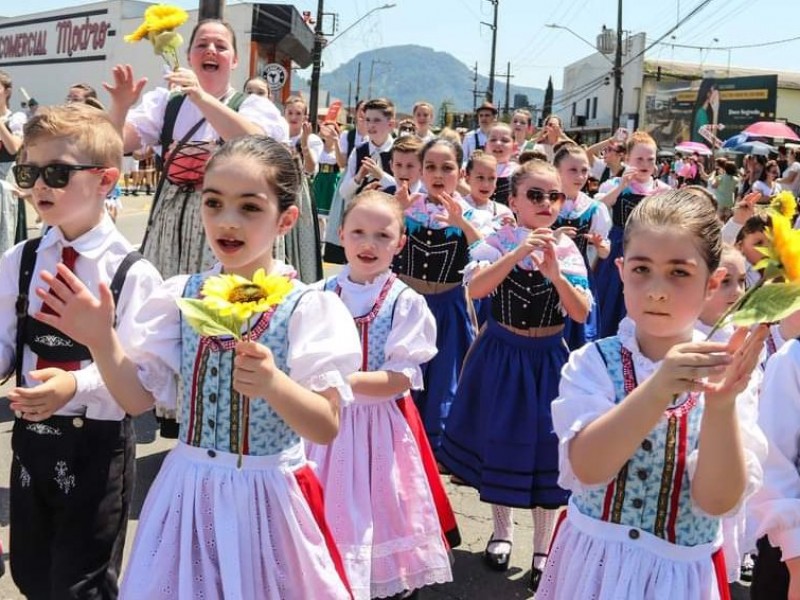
73, 37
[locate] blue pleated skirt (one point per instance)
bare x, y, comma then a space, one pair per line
609, 296
454, 336
499, 437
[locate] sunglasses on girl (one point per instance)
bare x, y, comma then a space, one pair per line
536, 195
55, 175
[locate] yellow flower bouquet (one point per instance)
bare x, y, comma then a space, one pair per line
227, 305
160, 23
777, 293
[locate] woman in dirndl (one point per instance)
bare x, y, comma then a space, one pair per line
210, 111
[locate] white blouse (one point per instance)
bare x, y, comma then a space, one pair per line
148, 118
586, 392
322, 352
776, 507
412, 340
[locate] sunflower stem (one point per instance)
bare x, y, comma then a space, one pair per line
735, 306
245, 416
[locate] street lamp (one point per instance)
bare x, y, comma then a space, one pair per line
319, 43
357, 21
617, 64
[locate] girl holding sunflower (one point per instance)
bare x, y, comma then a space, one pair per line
186, 119
218, 525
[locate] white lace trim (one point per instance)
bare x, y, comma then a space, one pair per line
408, 368
330, 380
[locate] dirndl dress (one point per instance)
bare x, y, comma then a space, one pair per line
378, 501
211, 528
325, 183
499, 435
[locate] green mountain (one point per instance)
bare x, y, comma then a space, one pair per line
410, 73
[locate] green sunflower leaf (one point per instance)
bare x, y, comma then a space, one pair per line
768, 304
207, 321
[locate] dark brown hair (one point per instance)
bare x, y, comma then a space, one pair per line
280, 169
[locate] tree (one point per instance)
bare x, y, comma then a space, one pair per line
547, 109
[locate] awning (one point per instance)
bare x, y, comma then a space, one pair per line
283, 26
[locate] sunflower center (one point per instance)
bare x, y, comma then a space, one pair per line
248, 292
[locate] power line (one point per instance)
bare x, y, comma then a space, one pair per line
739, 47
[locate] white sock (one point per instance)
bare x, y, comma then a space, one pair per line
502, 517
544, 521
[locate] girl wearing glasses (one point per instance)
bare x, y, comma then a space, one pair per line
621, 195
499, 437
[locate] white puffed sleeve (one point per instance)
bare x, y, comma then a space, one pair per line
324, 348
754, 444
156, 344
601, 221
481, 254
262, 112
585, 393
147, 117
776, 507
412, 340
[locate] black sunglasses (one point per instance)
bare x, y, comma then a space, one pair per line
536, 195
55, 175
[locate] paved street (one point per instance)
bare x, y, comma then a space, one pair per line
472, 579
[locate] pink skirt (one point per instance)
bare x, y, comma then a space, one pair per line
211, 530
378, 502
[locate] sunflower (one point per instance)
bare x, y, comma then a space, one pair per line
160, 21
786, 246
163, 17
784, 203
241, 298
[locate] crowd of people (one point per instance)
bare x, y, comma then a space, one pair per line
526, 316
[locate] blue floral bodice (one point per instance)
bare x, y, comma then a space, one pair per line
212, 416
652, 492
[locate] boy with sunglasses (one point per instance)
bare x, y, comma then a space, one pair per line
72, 469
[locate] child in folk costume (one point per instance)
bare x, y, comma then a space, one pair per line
216, 525
380, 506
621, 195
500, 144
653, 446
499, 436
587, 222
440, 227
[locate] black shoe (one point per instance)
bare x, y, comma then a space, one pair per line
497, 561
536, 577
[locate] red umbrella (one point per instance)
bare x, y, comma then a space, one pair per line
771, 129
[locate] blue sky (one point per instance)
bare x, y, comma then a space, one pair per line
536, 51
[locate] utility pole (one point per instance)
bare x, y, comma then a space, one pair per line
475, 92
358, 82
349, 97
490, 89
508, 88
617, 110
211, 9
313, 102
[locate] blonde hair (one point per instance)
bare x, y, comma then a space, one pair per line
479, 156
377, 197
89, 128
681, 210
296, 100
407, 144
530, 169
421, 104
640, 138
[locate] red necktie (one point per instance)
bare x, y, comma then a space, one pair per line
68, 256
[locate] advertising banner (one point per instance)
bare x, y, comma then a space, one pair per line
717, 109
